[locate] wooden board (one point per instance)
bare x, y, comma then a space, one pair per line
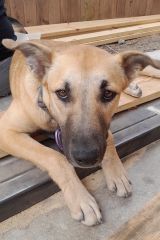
145, 226
107, 36
24, 185
125, 37
73, 28
150, 90
56, 11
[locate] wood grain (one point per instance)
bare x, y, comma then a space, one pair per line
43, 12
58, 11
150, 90
143, 226
17, 9
64, 29
112, 34
53, 12
30, 7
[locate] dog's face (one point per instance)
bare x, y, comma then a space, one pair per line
82, 86
84, 93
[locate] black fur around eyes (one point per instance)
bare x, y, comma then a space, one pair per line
107, 95
64, 94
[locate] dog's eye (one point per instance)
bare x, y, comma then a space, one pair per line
108, 95
62, 94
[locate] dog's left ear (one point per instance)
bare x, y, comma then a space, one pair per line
132, 62
38, 56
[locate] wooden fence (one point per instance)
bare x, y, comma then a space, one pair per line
37, 12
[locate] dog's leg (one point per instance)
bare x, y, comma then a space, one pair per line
82, 205
114, 171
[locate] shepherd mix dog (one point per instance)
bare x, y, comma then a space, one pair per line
75, 88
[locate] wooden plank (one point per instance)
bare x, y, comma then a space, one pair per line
120, 9
53, 30
114, 33
89, 9
17, 10
31, 12
106, 9
145, 225
53, 11
131, 8
8, 8
33, 177
12, 167
137, 136
74, 10
43, 13
125, 37
150, 90
64, 7
149, 7
155, 6
128, 118
33, 186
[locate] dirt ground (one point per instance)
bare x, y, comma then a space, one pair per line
144, 44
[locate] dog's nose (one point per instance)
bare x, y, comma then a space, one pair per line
86, 157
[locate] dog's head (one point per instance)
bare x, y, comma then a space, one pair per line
82, 86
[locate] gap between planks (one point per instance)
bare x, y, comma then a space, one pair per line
113, 35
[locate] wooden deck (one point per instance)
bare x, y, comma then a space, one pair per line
145, 226
22, 184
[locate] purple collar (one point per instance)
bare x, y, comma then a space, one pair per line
58, 138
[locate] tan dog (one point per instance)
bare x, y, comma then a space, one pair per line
76, 88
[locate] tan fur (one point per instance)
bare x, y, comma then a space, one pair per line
84, 67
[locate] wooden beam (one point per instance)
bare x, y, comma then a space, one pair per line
110, 36
150, 91
73, 28
125, 37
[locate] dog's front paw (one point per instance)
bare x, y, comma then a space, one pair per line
82, 205
117, 180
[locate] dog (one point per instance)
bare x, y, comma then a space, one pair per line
75, 88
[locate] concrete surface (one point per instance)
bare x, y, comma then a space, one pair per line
50, 219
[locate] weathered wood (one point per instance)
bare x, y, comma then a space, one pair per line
53, 12
128, 118
70, 10
64, 29
10, 167
125, 37
144, 225
29, 187
119, 33
150, 90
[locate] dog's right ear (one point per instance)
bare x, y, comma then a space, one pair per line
132, 62
38, 56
